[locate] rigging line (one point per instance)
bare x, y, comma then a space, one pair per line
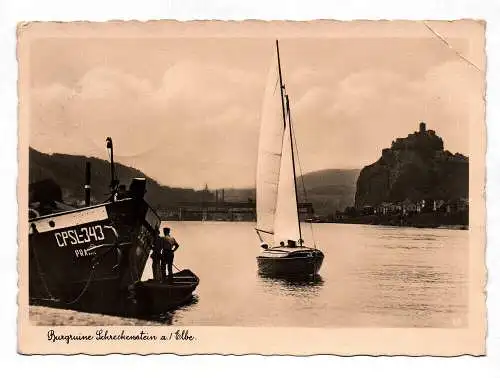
301, 176
85, 288
264, 231
276, 85
260, 237
52, 297
447, 44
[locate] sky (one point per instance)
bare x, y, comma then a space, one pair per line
186, 111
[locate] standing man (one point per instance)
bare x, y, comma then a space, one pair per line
169, 246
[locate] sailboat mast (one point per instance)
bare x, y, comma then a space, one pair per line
291, 136
281, 85
293, 166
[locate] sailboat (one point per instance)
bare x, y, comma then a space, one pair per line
283, 251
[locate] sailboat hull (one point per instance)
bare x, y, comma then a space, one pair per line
293, 263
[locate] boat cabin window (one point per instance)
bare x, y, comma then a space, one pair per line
292, 243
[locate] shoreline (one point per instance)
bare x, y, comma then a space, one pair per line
345, 221
433, 226
52, 316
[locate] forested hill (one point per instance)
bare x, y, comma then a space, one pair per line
328, 190
68, 171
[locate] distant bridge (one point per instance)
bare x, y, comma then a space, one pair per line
221, 211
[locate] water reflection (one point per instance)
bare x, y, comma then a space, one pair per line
292, 285
168, 318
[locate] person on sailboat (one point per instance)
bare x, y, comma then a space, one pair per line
169, 245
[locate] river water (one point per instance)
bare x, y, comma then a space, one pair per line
371, 277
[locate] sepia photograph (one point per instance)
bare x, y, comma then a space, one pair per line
321, 179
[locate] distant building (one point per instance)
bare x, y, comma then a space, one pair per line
368, 210
387, 208
422, 140
408, 207
422, 127
438, 205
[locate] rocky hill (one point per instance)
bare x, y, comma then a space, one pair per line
416, 167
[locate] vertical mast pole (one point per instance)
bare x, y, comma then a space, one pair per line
87, 183
282, 87
293, 165
113, 184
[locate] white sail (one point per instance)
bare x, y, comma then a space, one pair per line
269, 154
286, 222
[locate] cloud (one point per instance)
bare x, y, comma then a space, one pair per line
354, 118
199, 123
104, 83
180, 119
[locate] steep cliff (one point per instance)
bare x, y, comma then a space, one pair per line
416, 167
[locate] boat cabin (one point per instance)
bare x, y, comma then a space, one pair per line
289, 251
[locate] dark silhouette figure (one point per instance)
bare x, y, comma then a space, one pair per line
169, 246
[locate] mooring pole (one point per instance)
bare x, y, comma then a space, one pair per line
113, 183
87, 183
